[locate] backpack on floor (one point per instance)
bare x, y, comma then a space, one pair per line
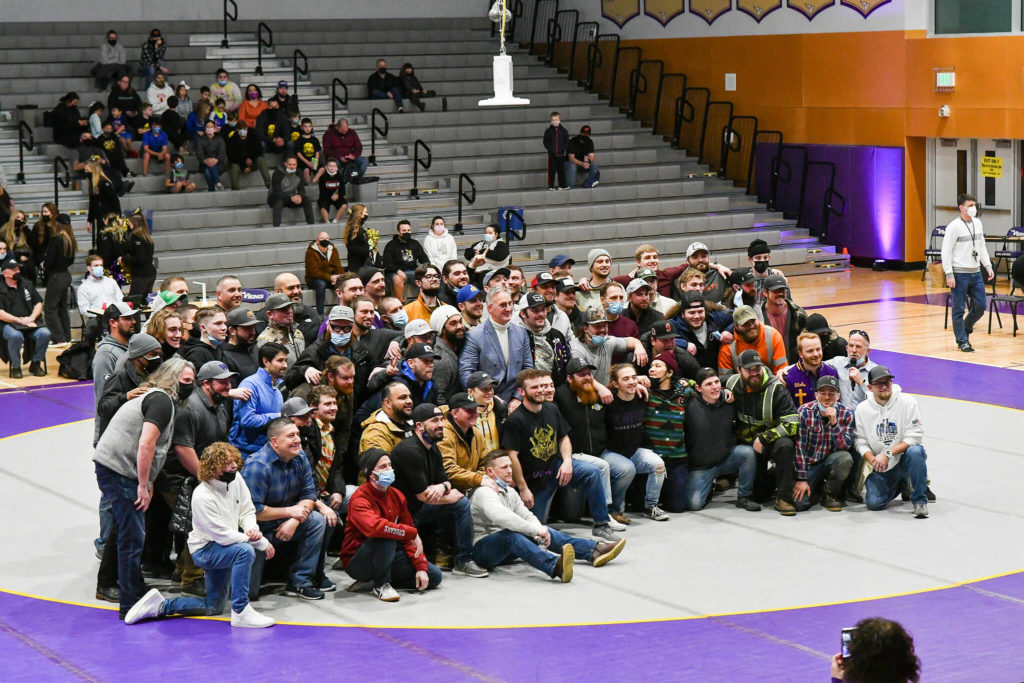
76, 361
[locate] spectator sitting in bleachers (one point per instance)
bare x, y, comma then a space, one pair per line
155, 145
342, 143
287, 188
110, 143
184, 107
307, 149
382, 85
226, 89
272, 129
253, 105
581, 155
124, 98
158, 92
174, 124
219, 115
245, 155
20, 311
121, 129
439, 243
68, 122
490, 253
113, 60
332, 191
213, 156
152, 56
195, 124
285, 101
96, 110
323, 266
139, 125
402, 255
95, 293
411, 86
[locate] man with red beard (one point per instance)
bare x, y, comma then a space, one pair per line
447, 323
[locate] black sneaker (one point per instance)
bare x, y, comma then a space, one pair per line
745, 503
157, 571
112, 594
35, 368
966, 347
16, 373
306, 592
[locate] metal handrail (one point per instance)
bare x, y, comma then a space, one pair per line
260, 44
462, 195
296, 70
619, 50
777, 166
638, 82
595, 58
335, 100
831, 194
657, 97
416, 163
576, 40
575, 14
374, 130
59, 181
753, 154
232, 16
23, 146
511, 234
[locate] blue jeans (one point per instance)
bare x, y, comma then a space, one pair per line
969, 293
504, 547
212, 174
361, 164
223, 565
606, 479
458, 514
130, 526
836, 467
623, 469
320, 288
16, 339
742, 459
377, 94
384, 560
570, 173
587, 478
106, 523
309, 536
882, 487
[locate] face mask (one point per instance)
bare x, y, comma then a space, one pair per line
598, 339
232, 124
97, 272
156, 129
210, 132
502, 484
362, 220
290, 170
972, 211
243, 134
400, 319
295, 123
185, 390
253, 95
386, 478
222, 83
616, 307
216, 342
822, 409
19, 223
488, 238
438, 229
339, 340
556, 123
179, 165
112, 43
324, 243
760, 266
431, 292
382, 70
227, 477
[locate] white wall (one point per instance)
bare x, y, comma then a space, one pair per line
171, 10
838, 19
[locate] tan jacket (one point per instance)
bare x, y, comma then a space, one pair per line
463, 461
380, 432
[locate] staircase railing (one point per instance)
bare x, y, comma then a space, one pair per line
770, 137
619, 91
261, 43
577, 60
658, 118
639, 85
717, 118
470, 198
335, 100
374, 131
417, 162
23, 146
548, 11
61, 177
296, 70
511, 234
228, 16
556, 57
782, 173
738, 138
830, 198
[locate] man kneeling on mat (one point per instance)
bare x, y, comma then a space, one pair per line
506, 529
221, 505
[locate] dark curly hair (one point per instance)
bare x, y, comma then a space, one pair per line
881, 651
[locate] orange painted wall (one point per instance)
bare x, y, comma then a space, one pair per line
863, 88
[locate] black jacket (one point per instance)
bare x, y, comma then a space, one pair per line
198, 352
240, 359
384, 82
271, 117
115, 393
588, 434
709, 432
139, 254
316, 355
399, 255
287, 103
688, 365
241, 149
101, 204
312, 446
66, 127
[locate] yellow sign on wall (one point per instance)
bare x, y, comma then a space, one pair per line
991, 167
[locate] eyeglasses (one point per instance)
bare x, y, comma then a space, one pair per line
882, 383
863, 334
341, 329
431, 276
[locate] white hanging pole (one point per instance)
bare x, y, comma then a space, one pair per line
502, 64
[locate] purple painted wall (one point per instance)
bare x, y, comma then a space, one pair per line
870, 179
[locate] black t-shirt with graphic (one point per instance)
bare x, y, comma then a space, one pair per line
535, 437
308, 148
624, 421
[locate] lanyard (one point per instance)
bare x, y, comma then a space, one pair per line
970, 228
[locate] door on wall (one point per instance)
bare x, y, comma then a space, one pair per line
983, 167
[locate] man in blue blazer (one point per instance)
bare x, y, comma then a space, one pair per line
497, 347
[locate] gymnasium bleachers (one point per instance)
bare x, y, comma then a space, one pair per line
648, 192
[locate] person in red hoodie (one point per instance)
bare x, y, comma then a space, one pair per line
382, 547
342, 143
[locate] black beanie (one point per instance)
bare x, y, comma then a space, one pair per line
369, 459
758, 247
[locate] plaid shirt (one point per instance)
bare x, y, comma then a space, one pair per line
817, 438
275, 483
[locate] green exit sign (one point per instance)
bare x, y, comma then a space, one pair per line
945, 80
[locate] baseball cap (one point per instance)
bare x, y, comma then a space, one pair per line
541, 279
532, 299
10, 263
593, 316
140, 344
692, 299
424, 412
184, 85
64, 218
468, 292
750, 359
421, 350
489, 275
644, 273
442, 315
741, 276
277, 301
119, 309
743, 314
773, 282
560, 260
636, 284
595, 254
479, 380
663, 329
585, 130
282, 84
695, 247
169, 297
461, 400
214, 369
879, 372
341, 313
417, 328
703, 374
576, 364
817, 324
827, 382
566, 284
242, 317
295, 407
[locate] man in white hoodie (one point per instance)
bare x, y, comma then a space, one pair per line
221, 505
506, 530
889, 436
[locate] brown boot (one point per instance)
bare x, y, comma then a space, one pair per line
784, 507
563, 567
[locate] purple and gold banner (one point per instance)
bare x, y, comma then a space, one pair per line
664, 11
758, 9
620, 11
865, 7
810, 8
709, 10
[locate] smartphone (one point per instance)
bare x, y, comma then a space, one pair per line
845, 638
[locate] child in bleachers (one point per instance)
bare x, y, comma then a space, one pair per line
111, 144
141, 123
177, 179
219, 115
307, 147
122, 129
556, 142
155, 145
96, 110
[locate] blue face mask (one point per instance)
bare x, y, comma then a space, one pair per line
502, 484
616, 307
339, 340
488, 238
156, 130
386, 478
598, 339
400, 319
216, 342
97, 272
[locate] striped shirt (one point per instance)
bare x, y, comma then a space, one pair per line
663, 423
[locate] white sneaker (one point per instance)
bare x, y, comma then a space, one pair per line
146, 608
386, 593
615, 526
250, 618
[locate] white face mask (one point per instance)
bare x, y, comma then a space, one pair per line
972, 211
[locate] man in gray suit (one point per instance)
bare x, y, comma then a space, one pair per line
497, 347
